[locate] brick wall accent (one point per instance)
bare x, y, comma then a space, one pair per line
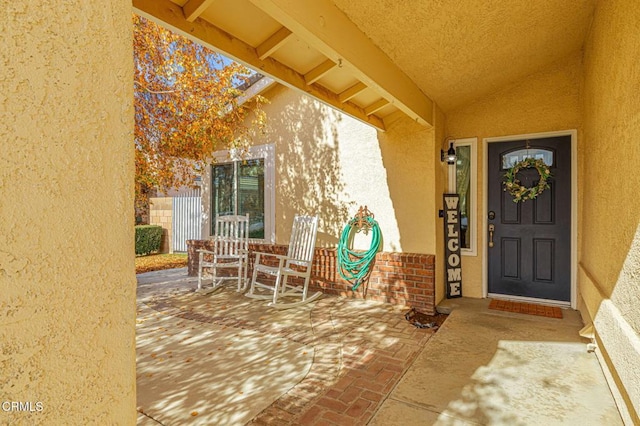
161, 214
398, 278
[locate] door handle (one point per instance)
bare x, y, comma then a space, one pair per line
492, 228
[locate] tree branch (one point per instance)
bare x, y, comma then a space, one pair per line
155, 92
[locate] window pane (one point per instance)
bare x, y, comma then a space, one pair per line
463, 183
511, 158
222, 200
251, 195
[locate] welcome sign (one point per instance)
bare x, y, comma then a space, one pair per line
453, 268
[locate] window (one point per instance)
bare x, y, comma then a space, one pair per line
510, 159
245, 186
462, 180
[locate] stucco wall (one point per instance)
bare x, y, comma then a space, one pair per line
546, 101
161, 214
67, 281
329, 164
609, 277
440, 187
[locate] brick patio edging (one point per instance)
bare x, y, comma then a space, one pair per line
406, 279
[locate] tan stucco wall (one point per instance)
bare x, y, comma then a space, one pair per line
546, 101
161, 214
329, 164
609, 271
440, 187
67, 280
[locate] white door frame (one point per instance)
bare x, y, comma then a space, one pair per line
574, 210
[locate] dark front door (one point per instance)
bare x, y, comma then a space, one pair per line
531, 251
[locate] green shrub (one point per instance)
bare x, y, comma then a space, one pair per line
148, 239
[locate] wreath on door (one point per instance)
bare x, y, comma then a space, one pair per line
521, 192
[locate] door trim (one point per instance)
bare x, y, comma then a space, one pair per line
574, 207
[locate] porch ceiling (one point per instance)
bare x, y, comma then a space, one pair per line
373, 59
457, 51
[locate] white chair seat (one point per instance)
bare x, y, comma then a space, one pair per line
221, 261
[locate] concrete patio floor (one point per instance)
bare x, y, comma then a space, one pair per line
225, 359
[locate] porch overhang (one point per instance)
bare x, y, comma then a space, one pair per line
340, 65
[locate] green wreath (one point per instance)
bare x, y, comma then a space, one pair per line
521, 192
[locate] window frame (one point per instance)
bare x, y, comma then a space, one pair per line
473, 192
551, 151
266, 152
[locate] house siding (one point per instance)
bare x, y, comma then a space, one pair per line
328, 164
67, 274
609, 267
546, 101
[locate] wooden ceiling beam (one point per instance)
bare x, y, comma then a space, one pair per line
320, 71
352, 91
170, 15
194, 8
273, 43
322, 25
376, 106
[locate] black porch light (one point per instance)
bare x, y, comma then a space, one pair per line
449, 156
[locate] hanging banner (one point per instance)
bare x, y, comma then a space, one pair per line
453, 268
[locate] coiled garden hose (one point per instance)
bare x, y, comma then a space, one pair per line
354, 266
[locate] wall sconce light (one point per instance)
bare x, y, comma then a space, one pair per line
449, 156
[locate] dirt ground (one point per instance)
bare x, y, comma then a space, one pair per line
420, 320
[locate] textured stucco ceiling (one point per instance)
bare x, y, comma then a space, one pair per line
457, 51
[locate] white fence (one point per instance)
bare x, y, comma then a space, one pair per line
187, 219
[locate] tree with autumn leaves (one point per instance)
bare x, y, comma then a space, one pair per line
186, 100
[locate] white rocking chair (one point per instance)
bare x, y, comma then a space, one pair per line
230, 251
297, 262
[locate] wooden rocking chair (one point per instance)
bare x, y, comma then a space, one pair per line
296, 263
230, 251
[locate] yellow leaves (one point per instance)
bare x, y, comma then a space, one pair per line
185, 102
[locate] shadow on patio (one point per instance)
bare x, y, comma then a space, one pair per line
226, 359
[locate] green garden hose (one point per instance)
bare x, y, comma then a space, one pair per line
354, 266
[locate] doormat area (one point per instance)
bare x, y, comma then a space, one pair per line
526, 308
